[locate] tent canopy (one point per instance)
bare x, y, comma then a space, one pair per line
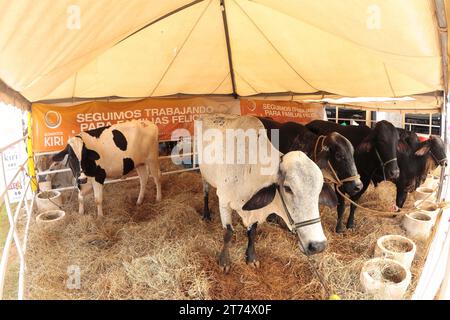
147, 48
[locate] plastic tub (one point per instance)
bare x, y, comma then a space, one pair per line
431, 182
430, 207
385, 278
424, 193
48, 200
396, 247
418, 224
51, 220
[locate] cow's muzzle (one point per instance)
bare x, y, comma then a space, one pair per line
81, 181
353, 187
315, 247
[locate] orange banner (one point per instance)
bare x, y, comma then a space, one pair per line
283, 111
54, 125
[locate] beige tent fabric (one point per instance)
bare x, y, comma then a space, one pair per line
345, 47
12, 97
38, 51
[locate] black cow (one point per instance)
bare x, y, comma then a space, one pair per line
334, 148
415, 160
375, 153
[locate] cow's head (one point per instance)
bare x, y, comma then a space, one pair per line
300, 183
75, 150
435, 148
338, 151
384, 141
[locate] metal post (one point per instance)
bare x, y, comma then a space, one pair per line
337, 114
430, 123
31, 168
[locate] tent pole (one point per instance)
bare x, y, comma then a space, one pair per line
443, 38
227, 38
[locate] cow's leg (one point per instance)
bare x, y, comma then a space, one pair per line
98, 195
155, 171
250, 253
351, 216
143, 178
84, 190
340, 212
401, 196
224, 257
80, 202
206, 212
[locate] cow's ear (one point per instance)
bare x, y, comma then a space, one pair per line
322, 158
60, 156
402, 146
424, 149
328, 196
366, 145
261, 198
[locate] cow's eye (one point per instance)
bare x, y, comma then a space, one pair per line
287, 189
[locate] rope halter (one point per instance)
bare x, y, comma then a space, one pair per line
439, 162
383, 164
331, 177
296, 225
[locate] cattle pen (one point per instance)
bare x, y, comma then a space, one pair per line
165, 250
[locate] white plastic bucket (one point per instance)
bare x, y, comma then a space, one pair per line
430, 207
431, 182
418, 224
48, 200
422, 193
385, 278
51, 220
396, 247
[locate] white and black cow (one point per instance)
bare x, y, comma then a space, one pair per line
113, 152
289, 185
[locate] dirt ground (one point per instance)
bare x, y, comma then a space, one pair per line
166, 251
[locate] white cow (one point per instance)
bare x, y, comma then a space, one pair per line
60, 179
288, 185
113, 152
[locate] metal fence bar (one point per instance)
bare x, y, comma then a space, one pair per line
29, 211
12, 234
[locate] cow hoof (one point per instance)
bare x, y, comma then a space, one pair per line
224, 262
350, 226
255, 264
339, 229
225, 269
206, 217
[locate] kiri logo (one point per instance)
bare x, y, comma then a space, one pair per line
252, 106
52, 119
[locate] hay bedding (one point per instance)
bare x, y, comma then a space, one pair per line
165, 251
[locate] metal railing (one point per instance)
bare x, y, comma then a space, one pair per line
405, 124
20, 243
192, 154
